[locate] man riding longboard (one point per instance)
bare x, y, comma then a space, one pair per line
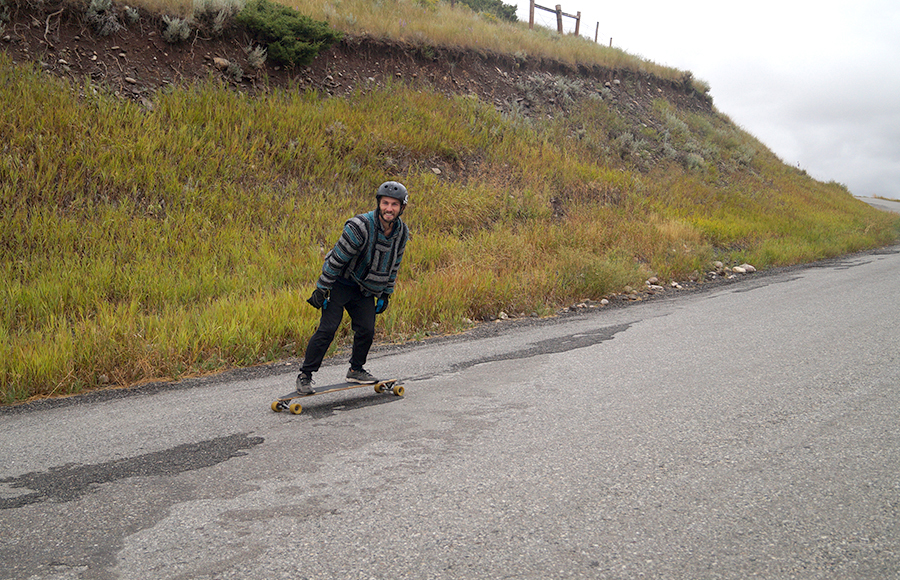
358, 276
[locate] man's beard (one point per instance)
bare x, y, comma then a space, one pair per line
397, 215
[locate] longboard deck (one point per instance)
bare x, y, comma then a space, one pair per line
282, 403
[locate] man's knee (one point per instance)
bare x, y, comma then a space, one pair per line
330, 322
364, 330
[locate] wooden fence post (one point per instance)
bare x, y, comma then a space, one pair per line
559, 18
597, 32
531, 15
577, 22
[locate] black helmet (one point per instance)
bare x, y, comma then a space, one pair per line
393, 189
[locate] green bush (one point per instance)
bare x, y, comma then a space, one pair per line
291, 38
502, 11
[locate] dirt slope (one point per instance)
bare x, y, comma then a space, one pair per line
136, 62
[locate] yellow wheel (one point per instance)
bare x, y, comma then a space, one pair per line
296, 408
379, 388
398, 390
276, 406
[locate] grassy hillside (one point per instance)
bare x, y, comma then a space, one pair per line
138, 245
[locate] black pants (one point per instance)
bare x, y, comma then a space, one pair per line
361, 309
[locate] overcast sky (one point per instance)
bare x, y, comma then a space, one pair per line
817, 82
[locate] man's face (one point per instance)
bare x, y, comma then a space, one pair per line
389, 208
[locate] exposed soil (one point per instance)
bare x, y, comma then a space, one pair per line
136, 62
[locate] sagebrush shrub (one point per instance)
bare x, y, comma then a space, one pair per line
256, 56
176, 29
102, 17
132, 15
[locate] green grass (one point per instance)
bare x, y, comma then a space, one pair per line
140, 245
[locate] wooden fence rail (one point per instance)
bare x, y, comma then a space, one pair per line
559, 17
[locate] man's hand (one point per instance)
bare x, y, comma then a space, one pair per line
382, 303
319, 298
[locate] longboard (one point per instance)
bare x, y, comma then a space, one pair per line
282, 403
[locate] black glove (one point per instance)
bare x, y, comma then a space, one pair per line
382, 303
319, 298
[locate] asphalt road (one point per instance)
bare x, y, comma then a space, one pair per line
885, 204
747, 431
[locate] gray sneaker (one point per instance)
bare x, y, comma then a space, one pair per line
362, 377
304, 383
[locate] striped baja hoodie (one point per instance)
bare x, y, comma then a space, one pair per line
364, 255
